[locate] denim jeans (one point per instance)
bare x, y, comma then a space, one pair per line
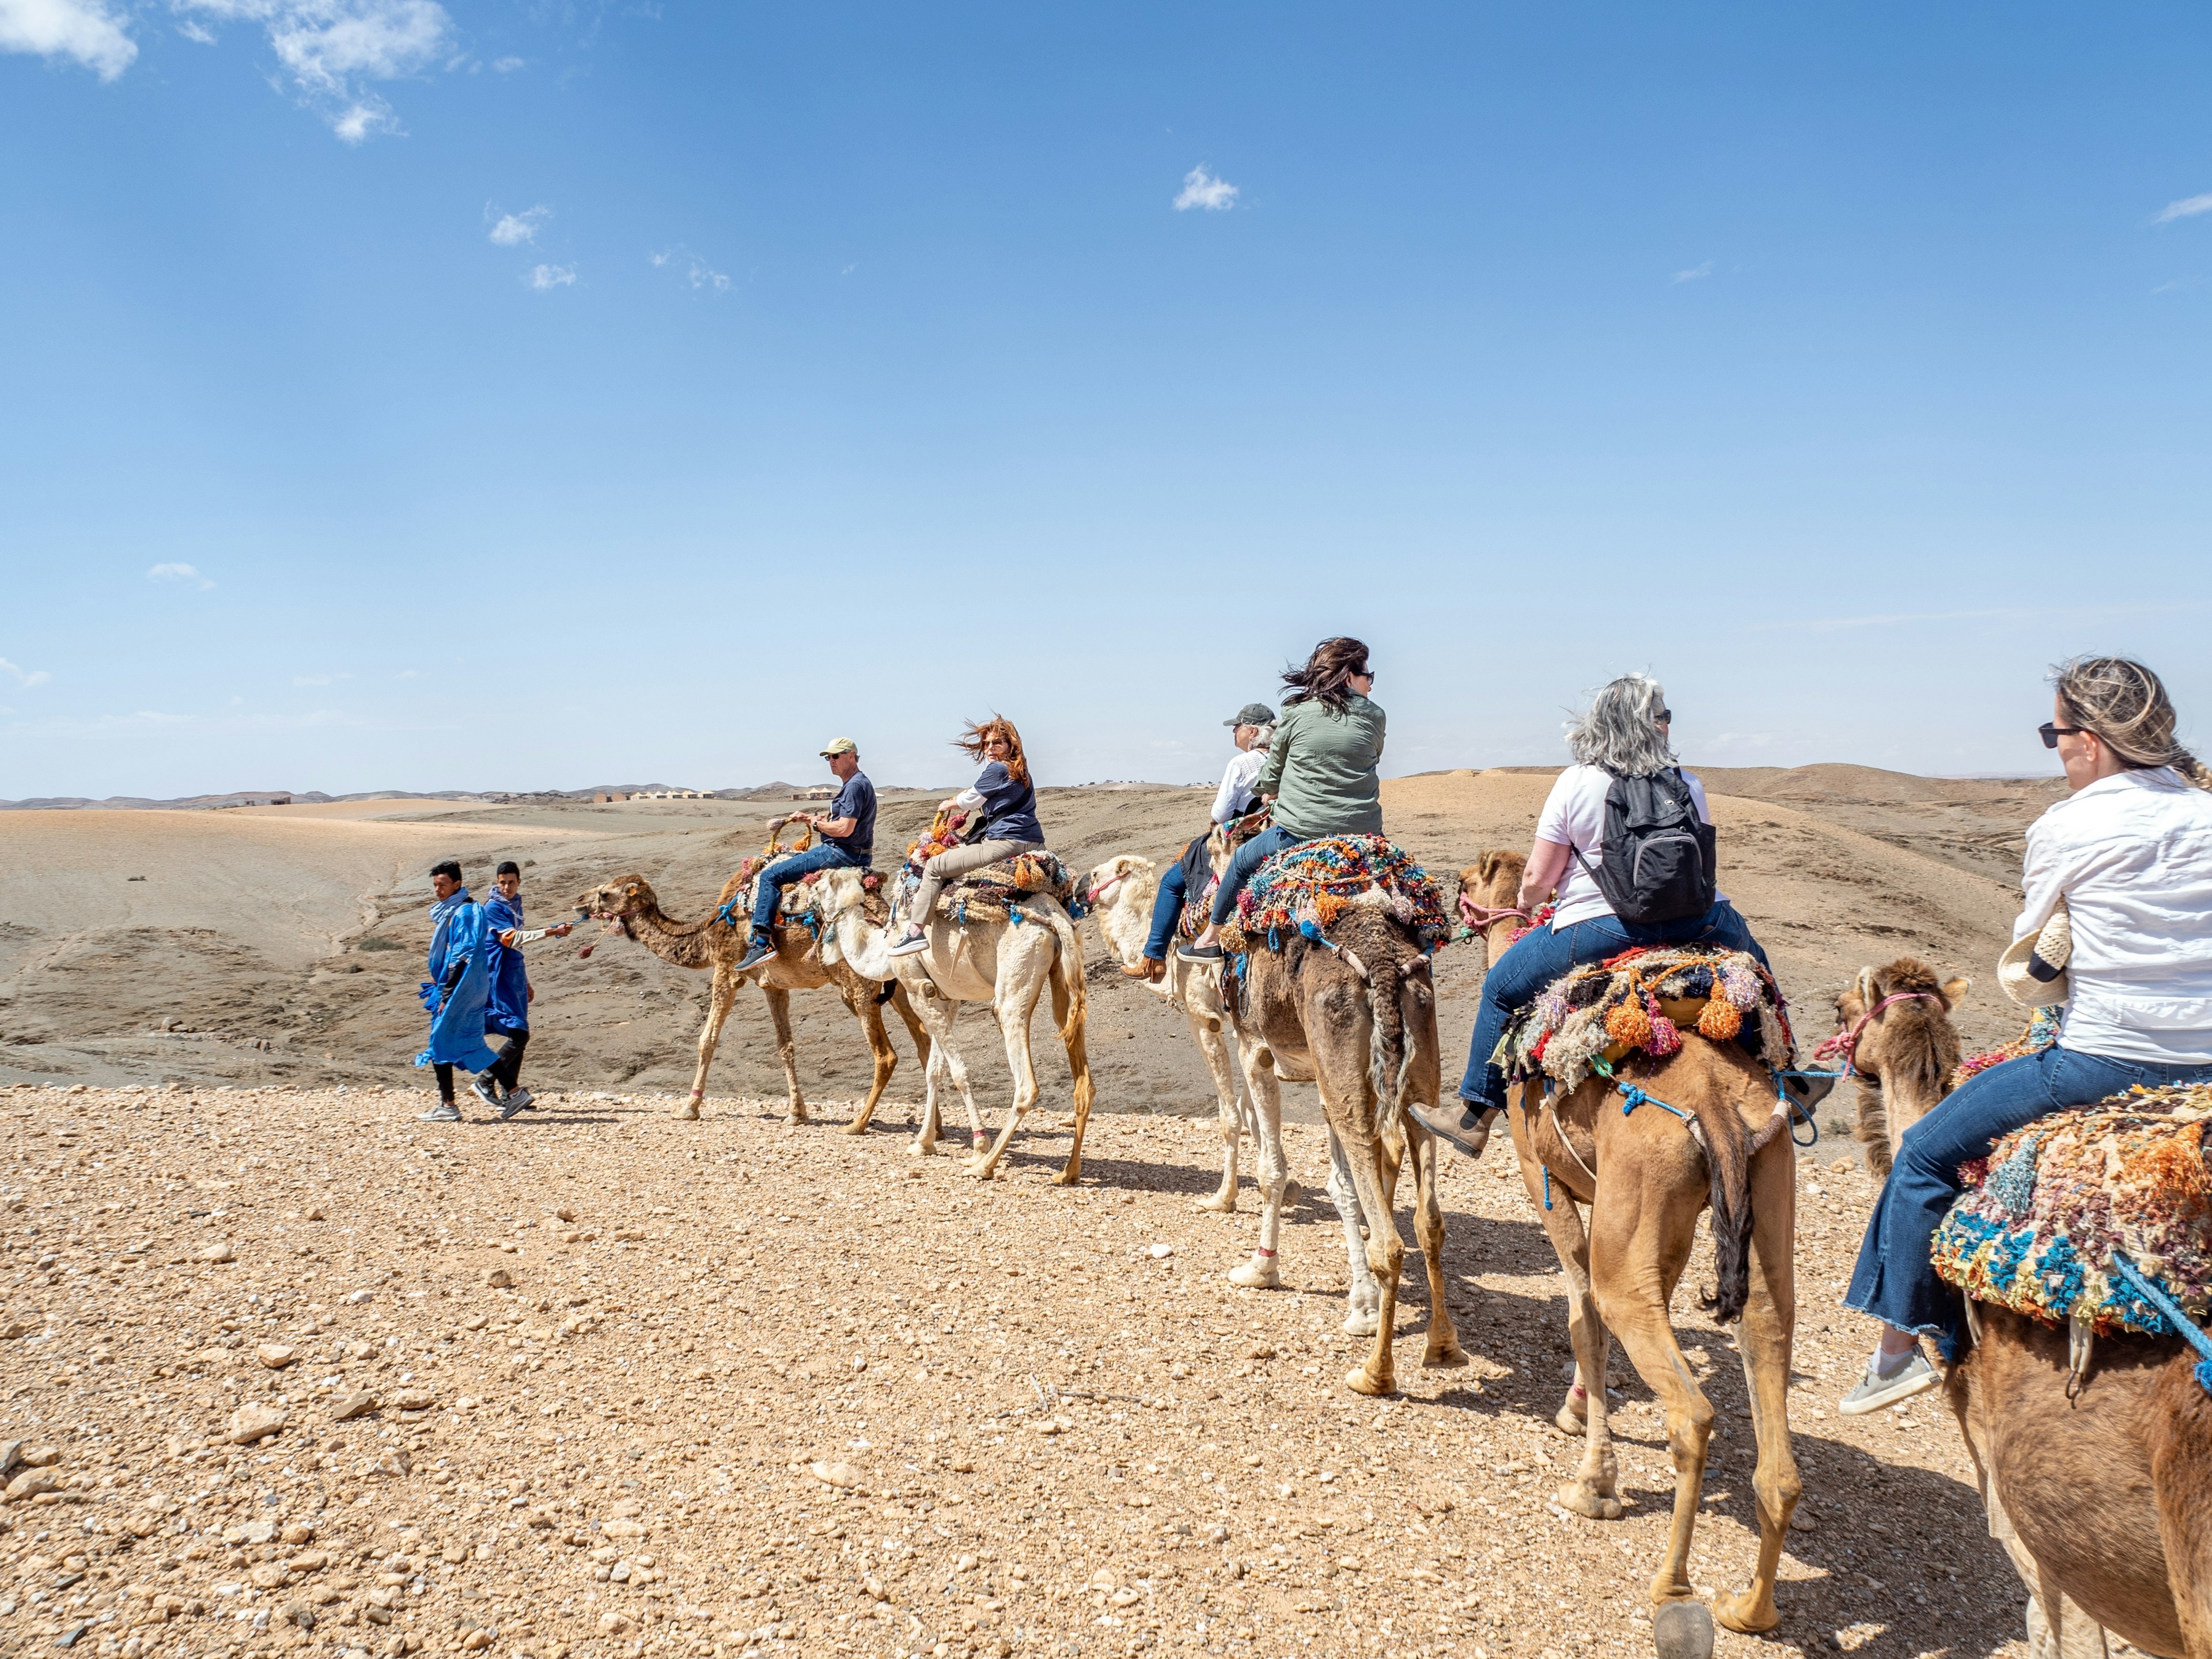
1167, 911
1894, 1281
1242, 863
1534, 960
767, 892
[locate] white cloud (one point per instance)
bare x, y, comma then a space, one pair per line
2187, 208
1201, 189
80, 29
696, 270
177, 573
513, 227
543, 277
25, 676
1695, 273
330, 45
507, 66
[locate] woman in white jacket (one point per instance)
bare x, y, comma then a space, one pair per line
2131, 853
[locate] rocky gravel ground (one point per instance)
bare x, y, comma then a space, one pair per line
287, 1370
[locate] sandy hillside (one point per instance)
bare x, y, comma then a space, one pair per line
284, 945
557, 1390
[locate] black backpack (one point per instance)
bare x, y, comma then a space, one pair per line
1657, 864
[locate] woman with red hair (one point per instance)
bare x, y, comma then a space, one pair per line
1003, 794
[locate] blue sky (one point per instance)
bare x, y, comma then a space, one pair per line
441, 395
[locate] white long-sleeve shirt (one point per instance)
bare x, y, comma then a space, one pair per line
2132, 856
1234, 798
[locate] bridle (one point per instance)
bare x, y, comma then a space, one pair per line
1481, 918
1098, 893
1845, 1045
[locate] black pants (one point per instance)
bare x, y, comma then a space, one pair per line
445, 1081
507, 1070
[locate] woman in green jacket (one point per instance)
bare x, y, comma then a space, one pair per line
1320, 771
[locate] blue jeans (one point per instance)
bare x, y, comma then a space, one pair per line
1536, 959
1894, 1281
1167, 911
767, 892
1242, 863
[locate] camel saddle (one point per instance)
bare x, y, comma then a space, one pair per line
997, 892
800, 904
1305, 887
1646, 999
2045, 1215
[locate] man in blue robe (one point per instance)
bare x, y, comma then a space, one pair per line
457, 990
507, 1011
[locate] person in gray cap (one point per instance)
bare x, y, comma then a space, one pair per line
1254, 724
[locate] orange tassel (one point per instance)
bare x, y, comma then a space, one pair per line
1721, 1020
1629, 1024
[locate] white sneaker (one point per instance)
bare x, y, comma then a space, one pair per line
1877, 1390
912, 944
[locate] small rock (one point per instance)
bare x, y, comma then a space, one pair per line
566, 1212
346, 1406
1161, 1252
500, 1279
1843, 1165
477, 1640
31, 1483
615, 1624
11, 1454
253, 1422
843, 1475
219, 1251
394, 1461
266, 1575
275, 1355
413, 1400
299, 1614
622, 1528
12, 1329
298, 1532
255, 1531
41, 1457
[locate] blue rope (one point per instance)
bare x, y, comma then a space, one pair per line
2181, 1321
1636, 1096
1794, 1110
1548, 1185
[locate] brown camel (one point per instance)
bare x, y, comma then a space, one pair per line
2102, 1499
627, 901
1645, 1178
1357, 1019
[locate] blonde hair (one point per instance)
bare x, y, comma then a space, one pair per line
2125, 705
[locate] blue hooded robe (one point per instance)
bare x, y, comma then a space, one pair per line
456, 930
507, 1010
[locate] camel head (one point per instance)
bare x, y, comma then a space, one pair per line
1107, 883
618, 901
1893, 1028
1490, 889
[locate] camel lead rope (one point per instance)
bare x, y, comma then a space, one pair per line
2183, 1326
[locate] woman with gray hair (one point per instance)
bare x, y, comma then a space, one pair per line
1620, 743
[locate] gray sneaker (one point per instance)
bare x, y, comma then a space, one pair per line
444, 1112
1877, 1390
911, 945
485, 1090
518, 1100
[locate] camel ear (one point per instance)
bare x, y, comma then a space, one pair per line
1869, 992
1954, 991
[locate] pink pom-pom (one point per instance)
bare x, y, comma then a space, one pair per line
1665, 1039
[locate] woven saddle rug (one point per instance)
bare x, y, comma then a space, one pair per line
1643, 1001
800, 905
2036, 1230
996, 892
1305, 888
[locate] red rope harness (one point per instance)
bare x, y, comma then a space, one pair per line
1845, 1045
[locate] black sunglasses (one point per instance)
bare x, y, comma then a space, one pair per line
2050, 733
1665, 715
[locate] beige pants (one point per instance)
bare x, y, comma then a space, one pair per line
960, 861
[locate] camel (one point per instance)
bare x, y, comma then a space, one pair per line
1005, 962
628, 903
1356, 1017
1644, 1178
2097, 1498
1121, 892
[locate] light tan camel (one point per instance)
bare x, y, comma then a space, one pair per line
1006, 963
1120, 893
1644, 1179
628, 902
1356, 1018
2101, 1500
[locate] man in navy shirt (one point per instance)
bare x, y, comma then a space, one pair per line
848, 842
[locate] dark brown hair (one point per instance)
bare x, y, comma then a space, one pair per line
979, 734
1327, 674
2126, 706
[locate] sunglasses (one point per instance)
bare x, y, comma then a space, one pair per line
1664, 716
2051, 733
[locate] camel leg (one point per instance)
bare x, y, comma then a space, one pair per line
943, 1066
1206, 1031
724, 994
1640, 1237
2180, 1452
903, 1006
778, 1013
1377, 1375
1263, 1272
860, 997
1014, 1026
1078, 1062
1366, 1295
1596, 1490
1443, 1350
1765, 1337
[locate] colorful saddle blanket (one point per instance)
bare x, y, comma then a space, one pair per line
996, 891
1305, 888
800, 904
1643, 1001
2036, 1230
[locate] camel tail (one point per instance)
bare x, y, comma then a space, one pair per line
1728, 1156
1386, 1044
1070, 968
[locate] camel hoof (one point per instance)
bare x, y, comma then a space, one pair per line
1363, 1322
980, 1168
1257, 1276
1293, 1194
1362, 1382
1068, 1176
1749, 1613
859, 1126
922, 1148
1449, 1358
1683, 1630
1598, 1506
1220, 1203
1573, 1419
687, 1112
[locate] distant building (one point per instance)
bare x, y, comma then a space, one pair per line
608, 796
821, 793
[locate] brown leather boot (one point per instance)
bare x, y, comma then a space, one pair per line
1151, 969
